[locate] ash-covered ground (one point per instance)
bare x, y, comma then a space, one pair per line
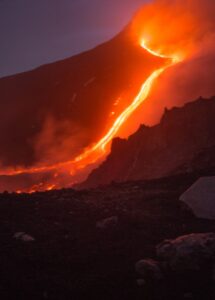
71, 244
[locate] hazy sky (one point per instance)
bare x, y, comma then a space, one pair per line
34, 32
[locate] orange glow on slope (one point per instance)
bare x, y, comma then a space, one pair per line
175, 59
98, 150
168, 29
174, 27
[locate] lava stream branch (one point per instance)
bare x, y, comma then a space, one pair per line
98, 150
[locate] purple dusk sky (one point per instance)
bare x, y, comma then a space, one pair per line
35, 32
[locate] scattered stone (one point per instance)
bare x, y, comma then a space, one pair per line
45, 295
213, 273
188, 296
107, 223
141, 282
189, 252
23, 237
149, 269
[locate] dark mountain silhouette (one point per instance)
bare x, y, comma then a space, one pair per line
55, 110
184, 141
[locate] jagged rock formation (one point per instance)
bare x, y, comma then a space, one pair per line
184, 141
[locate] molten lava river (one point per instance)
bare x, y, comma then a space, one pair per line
99, 150
170, 30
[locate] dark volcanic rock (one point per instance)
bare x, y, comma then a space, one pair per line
189, 252
70, 258
149, 269
184, 141
186, 263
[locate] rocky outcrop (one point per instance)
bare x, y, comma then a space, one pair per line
187, 262
189, 252
183, 142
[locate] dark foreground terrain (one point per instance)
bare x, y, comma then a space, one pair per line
71, 244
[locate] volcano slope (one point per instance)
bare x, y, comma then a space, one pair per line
51, 113
71, 244
71, 251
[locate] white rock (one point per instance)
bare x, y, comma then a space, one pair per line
200, 197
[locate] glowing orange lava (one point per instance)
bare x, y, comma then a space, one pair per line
98, 150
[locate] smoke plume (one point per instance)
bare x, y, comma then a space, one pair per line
177, 27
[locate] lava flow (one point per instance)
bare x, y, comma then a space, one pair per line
164, 28
100, 149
